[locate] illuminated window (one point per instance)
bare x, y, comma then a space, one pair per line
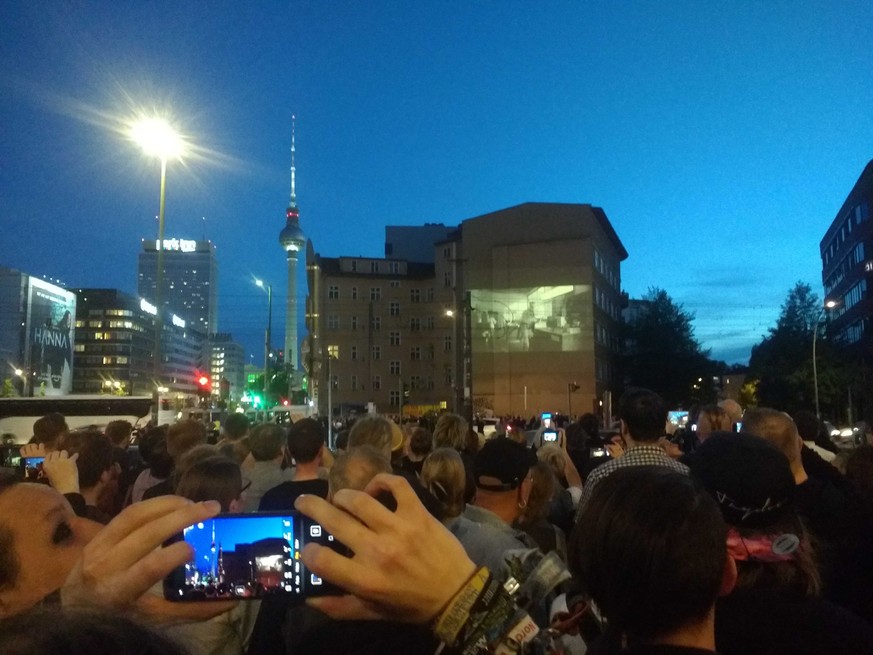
333, 351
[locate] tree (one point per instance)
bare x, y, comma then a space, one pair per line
781, 364
661, 353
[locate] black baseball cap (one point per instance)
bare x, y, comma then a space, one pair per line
505, 460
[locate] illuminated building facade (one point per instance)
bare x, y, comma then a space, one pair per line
292, 240
227, 362
190, 280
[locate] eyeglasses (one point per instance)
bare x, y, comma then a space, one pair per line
246, 486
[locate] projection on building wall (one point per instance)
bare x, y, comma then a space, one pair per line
532, 320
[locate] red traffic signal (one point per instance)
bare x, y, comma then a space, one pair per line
203, 380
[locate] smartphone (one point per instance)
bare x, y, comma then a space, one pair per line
550, 436
546, 418
738, 426
598, 452
32, 467
248, 557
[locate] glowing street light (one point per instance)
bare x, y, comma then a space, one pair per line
158, 139
268, 289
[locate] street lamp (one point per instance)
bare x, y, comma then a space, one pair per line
830, 304
158, 139
268, 288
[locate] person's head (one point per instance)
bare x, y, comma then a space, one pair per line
420, 443
119, 433
808, 425
544, 486
450, 432
267, 441
191, 457
712, 418
444, 476
95, 461
751, 481
342, 440
214, 478
235, 426
590, 424
78, 631
305, 441
501, 471
377, 431
776, 427
38, 546
354, 469
553, 455
733, 410
153, 450
643, 415
650, 550
183, 436
49, 429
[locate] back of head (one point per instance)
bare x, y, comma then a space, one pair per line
196, 454
48, 429
214, 478
553, 455
119, 432
733, 410
266, 441
444, 476
590, 424
95, 454
183, 436
153, 450
776, 427
808, 425
305, 440
375, 431
421, 442
450, 432
543, 489
355, 468
650, 550
644, 413
712, 418
236, 426
502, 465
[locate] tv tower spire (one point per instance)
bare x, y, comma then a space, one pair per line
292, 239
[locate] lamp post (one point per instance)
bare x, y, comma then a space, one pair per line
830, 304
158, 139
268, 288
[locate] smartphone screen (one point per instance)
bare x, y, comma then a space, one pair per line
32, 467
599, 452
546, 418
249, 556
550, 435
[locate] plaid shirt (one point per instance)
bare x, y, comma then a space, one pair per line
642, 455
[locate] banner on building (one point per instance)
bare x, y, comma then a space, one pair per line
51, 320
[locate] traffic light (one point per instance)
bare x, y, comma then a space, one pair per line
404, 400
204, 387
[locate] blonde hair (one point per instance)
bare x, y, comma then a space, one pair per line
450, 432
444, 476
542, 491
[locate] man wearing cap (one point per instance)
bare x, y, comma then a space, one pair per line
503, 483
643, 417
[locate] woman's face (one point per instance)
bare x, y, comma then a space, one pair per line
47, 538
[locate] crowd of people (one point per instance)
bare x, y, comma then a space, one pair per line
749, 532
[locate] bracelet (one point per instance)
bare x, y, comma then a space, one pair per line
451, 620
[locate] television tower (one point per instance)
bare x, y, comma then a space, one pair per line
292, 239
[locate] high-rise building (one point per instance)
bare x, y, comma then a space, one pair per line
292, 240
227, 363
190, 280
115, 349
847, 266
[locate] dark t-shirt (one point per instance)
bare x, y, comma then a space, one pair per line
282, 497
165, 488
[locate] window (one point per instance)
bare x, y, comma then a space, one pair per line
415, 353
377, 352
394, 398
332, 322
415, 382
375, 293
428, 295
394, 337
447, 376
377, 323
447, 344
447, 279
354, 322
354, 293
447, 252
374, 267
415, 295
394, 284
394, 367
394, 309
333, 351
377, 382
415, 324
429, 322
333, 292
354, 265
354, 382
394, 267
353, 353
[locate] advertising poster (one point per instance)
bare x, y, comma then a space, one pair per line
51, 319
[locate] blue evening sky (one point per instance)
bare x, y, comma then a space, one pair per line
720, 138
230, 533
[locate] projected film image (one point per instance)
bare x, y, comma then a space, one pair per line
241, 557
537, 320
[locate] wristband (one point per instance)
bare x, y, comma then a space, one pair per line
456, 614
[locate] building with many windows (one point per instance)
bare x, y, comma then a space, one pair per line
190, 280
227, 361
847, 267
114, 351
515, 312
